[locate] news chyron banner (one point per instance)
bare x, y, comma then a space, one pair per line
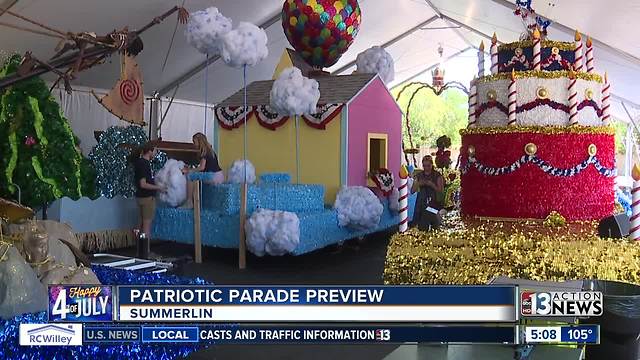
316, 304
84, 303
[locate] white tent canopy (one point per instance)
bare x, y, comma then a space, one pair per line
409, 29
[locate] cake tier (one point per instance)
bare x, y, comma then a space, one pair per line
541, 99
530, 172
518, 56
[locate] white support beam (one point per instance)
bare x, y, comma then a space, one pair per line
390, 42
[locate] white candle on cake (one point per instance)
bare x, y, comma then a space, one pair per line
573, 99
589, 55
473, 95
481, 59
536, 49
577, 63
635, 204
512, 99
605, 100
494, 54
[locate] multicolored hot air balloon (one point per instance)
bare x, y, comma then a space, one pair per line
321, 30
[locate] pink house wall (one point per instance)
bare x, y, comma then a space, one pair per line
373, 111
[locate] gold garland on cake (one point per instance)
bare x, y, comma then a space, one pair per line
540, 74
475, 255
561, 45
547, 130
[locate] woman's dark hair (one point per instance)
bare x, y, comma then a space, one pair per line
141, 150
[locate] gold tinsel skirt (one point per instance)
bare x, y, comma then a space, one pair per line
474, 252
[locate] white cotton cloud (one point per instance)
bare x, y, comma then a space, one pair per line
358, 208
205, 29
394, 197
171, 176
294, 94
244, 45
272, 232
376, 60
236, 173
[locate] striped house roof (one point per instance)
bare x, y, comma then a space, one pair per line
334, 89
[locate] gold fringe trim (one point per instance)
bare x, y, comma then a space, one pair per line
562, 45
540, 74
105, 240
549, 130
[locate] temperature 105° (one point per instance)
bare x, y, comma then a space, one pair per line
580, 334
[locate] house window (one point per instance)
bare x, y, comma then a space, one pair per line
376, 153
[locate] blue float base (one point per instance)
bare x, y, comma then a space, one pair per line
318, 229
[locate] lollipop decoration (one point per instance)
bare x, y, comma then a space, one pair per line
321, 30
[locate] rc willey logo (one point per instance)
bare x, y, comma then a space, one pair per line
50, 334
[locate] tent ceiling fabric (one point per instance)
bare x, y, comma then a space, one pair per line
610, 22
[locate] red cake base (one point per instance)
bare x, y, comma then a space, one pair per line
529, 192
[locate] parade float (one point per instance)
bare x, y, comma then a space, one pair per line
537, 174
304, 151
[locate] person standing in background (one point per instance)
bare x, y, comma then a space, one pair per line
145, 194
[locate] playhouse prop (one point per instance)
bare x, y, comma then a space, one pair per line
357, 128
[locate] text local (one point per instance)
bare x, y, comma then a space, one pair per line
257, 295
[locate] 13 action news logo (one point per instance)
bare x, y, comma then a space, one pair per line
383, 334
581, 303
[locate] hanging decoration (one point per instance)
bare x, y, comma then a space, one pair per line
126, 98
540, 101
323, 115
532, 158
232, 117
438, 86
269, 118
321, 30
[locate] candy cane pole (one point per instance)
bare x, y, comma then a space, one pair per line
473, 96
494, 54
573, 99
403, 199
635, 204
512, 99
578, 52
536, 49
589, 55
605, 100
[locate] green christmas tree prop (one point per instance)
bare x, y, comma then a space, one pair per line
38, 149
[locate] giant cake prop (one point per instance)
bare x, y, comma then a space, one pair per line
538, 138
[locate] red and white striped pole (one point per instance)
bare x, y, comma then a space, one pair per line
605, 100
573, 99
577, 64
404, 199
536, 49
589, 55
473, 98
512, 99
494, 54
635, 204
